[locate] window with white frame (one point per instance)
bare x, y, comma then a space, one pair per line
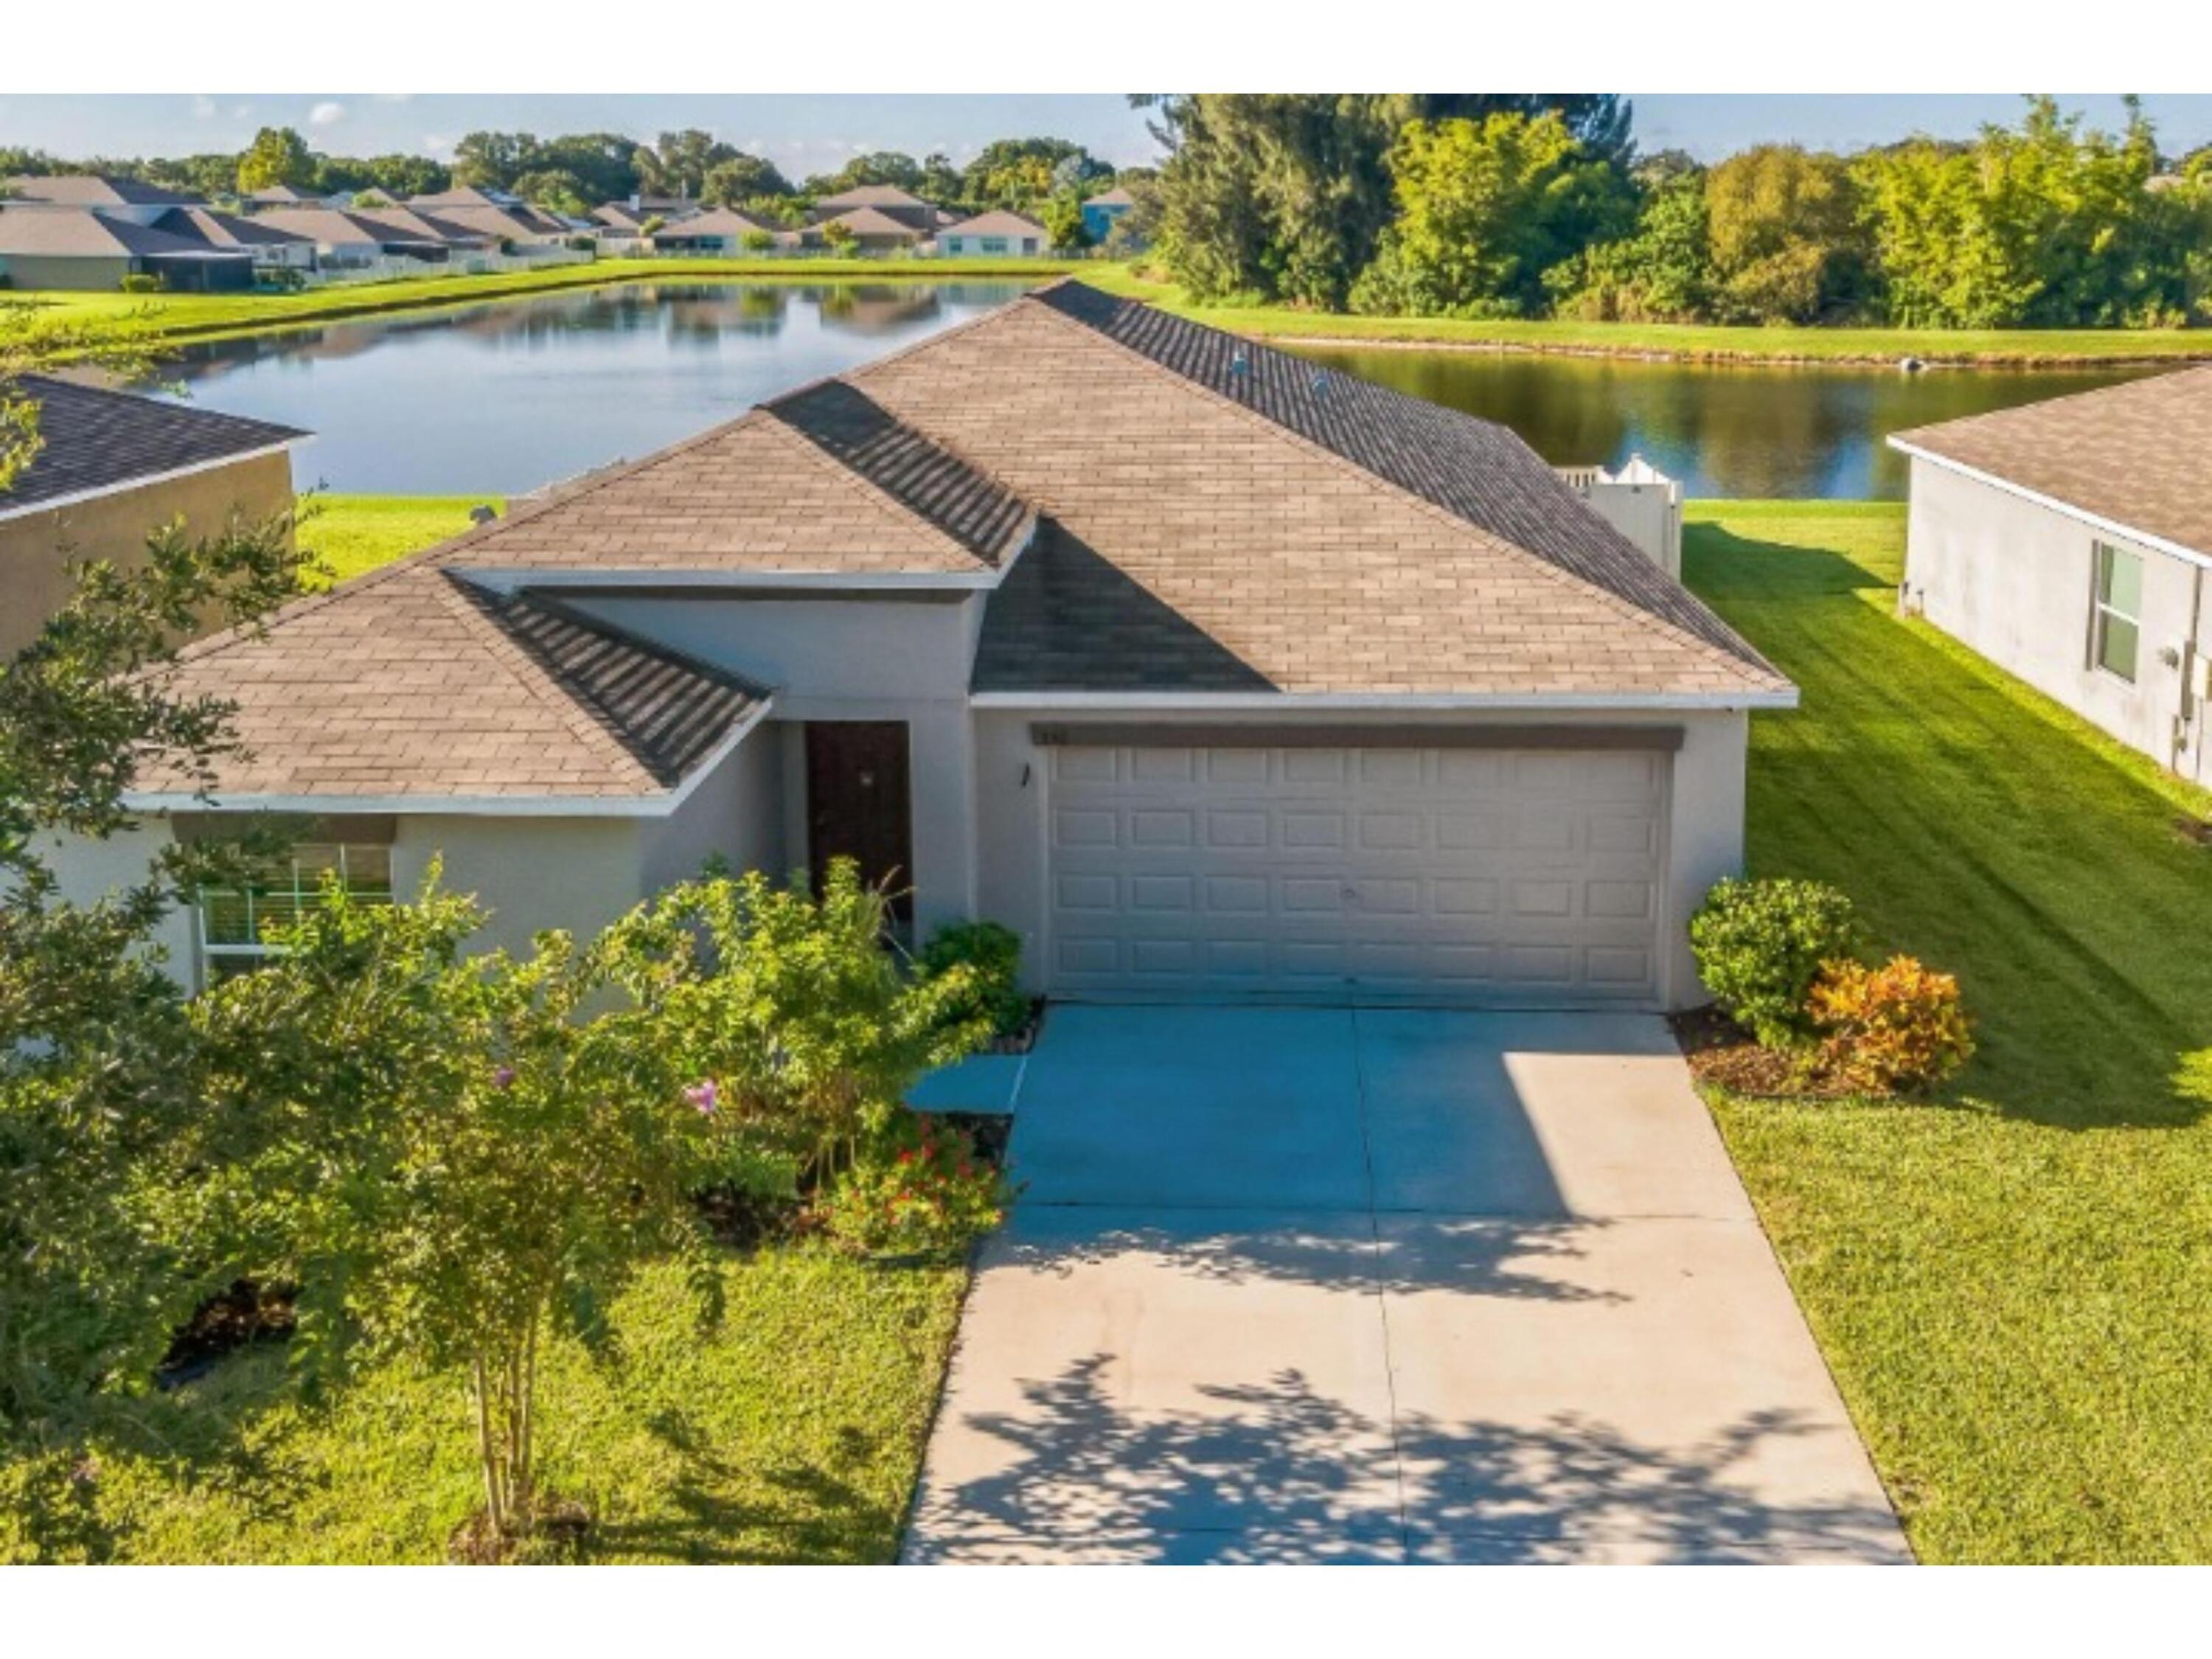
2117, 633
993, 244
235, 921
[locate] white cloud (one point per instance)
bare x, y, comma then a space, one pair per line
324, 115
203, 107
436, 142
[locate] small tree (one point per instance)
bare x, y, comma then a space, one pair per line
794, 1007
454, 1154
1063, 223
757, 241
840, 239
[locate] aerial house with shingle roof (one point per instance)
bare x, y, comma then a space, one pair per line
2069, 542
1213, 675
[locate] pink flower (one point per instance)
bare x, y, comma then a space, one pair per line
503, 1078
704, 1096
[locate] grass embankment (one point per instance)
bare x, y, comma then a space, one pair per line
189, 316
791, 1432
354, 533
2013, 1284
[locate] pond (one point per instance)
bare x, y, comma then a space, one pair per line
500, 399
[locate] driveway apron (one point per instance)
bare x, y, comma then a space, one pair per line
1320, 1284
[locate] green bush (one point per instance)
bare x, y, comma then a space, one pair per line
917, 1188
993, 953
142, 282
1760, 944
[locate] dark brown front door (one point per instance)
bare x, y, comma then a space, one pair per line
857, 806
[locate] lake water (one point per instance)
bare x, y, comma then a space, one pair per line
499, 398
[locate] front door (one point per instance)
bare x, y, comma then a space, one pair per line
858, 804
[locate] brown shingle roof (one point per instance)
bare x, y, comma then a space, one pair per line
95, 441
871, 196
91, 190
65, 232
414, 682
2138, 454
998, 223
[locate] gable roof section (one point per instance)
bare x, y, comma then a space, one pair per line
228, 230
80, 232
1475, 469
2137, 455
413, 684
820, 482
96, 442
996, 222
868, 221
871, 196
720, 221
91, 190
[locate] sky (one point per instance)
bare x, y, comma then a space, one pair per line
807, 134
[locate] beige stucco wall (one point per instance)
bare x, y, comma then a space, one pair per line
36, 548
529, 873
77, 273
735, 811
2013, 579
849, 660
1705, 824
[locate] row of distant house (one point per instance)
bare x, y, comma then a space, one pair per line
87, 232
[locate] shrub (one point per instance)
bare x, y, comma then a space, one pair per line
142, 282
1760, 944
992, 954
917, 1188
1892, 1029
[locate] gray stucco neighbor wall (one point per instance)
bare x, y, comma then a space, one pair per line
2013, 578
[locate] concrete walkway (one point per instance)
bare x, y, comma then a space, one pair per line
1319, 1285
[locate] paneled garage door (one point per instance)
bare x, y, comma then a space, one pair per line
1448, 875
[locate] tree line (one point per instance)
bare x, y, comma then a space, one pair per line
1482, 206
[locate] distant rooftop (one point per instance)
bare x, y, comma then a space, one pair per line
96, 440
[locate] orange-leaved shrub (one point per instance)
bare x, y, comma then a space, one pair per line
1890, 1029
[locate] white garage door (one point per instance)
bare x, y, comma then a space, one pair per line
1448, 875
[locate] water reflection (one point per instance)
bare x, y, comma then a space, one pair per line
1724, 431
503, 397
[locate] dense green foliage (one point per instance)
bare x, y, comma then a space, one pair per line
991, 955
2007, 1280
1451, 207
1760, 944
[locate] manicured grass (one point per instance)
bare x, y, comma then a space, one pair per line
2013, 1284
791, 1432
354, 533
188, 316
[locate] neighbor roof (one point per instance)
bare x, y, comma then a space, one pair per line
281, 196
94, 441
869, 222
413, 683
722, 222
998, 223
1117, 196
875, 196
2137, 455
228, 230
493, 219
61, 233
91, 190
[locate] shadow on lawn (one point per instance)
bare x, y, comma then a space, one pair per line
1276, 1471
1985, 829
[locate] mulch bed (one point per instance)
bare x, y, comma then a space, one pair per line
1721, 1054
1021, 1041
246, 1312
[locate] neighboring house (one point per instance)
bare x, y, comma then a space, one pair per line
994, 234
1102, 211
283, 196
495, 216
633, 214
719, 233
2068, 540
1213, 677
81, 250
351, 240
874, 232
888, 200
113, 468
127, 199
266, 245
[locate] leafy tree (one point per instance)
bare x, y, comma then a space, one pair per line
840, 238
1063, 222
1020, 174
493, 160
757, 241
940, 181
454, 1154
559, 191
397, 175
882, 167
278, 155
1600, 121
1661, 271
677, 163
603, 164
742, 179
1486, 209
1787, 246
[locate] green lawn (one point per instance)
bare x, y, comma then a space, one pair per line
354, 533
2013, 1284
791, 1433
188, 316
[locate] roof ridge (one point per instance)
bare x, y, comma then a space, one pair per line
139, 400
461, 598
1490, 539
865, 487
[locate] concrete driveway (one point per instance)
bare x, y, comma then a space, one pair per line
1327, 1285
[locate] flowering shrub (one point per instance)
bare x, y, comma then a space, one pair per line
1760, 944
992, 954
1890, 1029
918, 1188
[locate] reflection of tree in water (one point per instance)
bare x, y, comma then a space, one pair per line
1762, 431
1278, 1471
